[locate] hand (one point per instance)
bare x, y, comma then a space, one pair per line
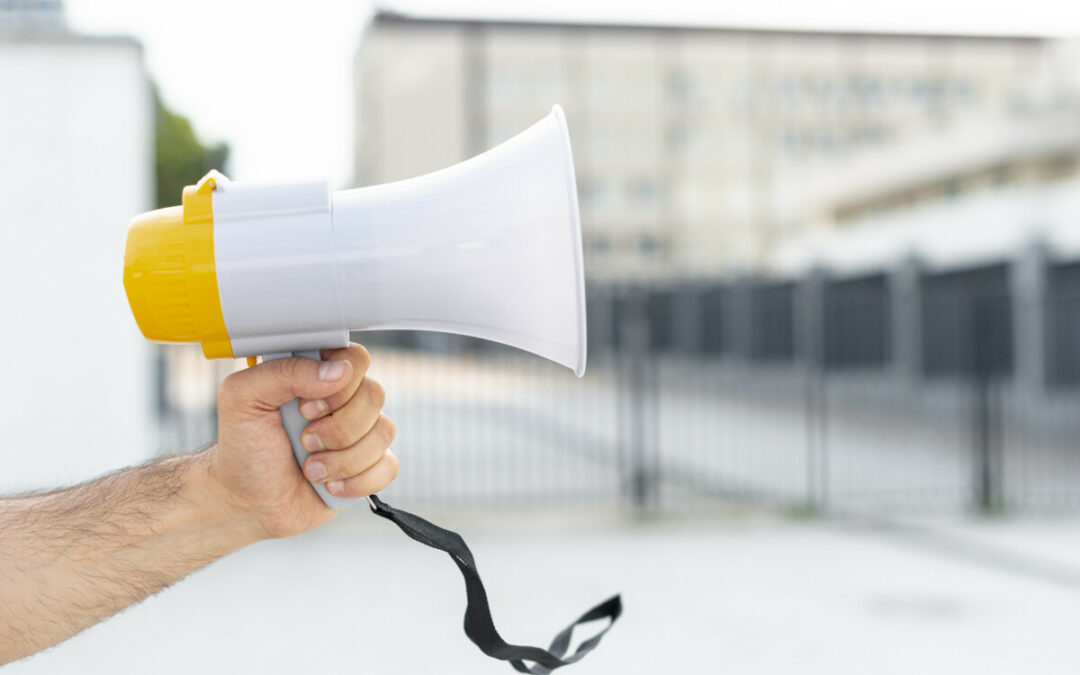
349, 439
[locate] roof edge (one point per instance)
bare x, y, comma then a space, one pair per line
396, 17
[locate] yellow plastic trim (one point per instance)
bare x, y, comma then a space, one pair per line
170, 276
198, 201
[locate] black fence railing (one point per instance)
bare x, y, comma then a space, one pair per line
912, 389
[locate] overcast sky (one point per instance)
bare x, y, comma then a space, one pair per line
274, 79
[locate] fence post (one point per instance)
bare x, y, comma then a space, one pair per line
905, 334
1028, 284
741, 328
810, 350
635, 367
688, 319
1029, 288
986, 412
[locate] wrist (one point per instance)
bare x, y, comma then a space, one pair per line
216, 506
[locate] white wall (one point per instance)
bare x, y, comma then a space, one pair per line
75, 164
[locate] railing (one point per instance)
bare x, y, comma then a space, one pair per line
909, 391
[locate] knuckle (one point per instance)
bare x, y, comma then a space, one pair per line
372, 479
354, 461
388, 471
348, 467
389, 429
362, 357
356, 487
326, 429
375, 392
334, 432
339, 466
230, 389
350, 426
292, 368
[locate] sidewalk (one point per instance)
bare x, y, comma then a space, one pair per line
738, 594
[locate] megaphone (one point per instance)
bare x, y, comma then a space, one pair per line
489, 248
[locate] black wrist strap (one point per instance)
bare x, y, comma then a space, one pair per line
479, 625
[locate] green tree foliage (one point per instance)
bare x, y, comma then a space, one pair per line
179, 157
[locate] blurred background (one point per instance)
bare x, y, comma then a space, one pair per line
831, 419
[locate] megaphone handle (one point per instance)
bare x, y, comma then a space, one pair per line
294, 424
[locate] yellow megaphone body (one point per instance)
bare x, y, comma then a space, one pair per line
490, 248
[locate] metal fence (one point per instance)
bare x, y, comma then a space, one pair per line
911, 389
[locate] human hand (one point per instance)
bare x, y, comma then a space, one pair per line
349, 439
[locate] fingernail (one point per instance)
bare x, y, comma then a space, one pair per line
312, 442
313, 409
336, 486
315, 470
331, 370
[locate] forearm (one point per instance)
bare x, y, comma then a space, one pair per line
71, 558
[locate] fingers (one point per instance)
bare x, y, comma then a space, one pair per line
274, 383
369, 482
349, 423
350, 437
360, 359
331, 465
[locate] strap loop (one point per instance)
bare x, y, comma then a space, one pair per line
479, 625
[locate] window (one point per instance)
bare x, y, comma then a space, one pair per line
642, 191
598, 244
680, 86
650, 245
593, 191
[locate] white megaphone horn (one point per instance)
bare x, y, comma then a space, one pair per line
489, 248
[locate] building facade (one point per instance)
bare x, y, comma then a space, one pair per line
684, 137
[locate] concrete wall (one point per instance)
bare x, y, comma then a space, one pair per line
75, 164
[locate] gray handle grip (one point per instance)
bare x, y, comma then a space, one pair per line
294, 424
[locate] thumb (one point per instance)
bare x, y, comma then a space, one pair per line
274, 383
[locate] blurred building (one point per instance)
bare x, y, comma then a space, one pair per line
76, 162
683, 136
23, 15
954, 195
968, 232
979, 192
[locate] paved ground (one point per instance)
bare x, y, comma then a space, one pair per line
723, 591
733, 593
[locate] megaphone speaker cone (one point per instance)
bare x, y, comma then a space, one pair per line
489, 248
